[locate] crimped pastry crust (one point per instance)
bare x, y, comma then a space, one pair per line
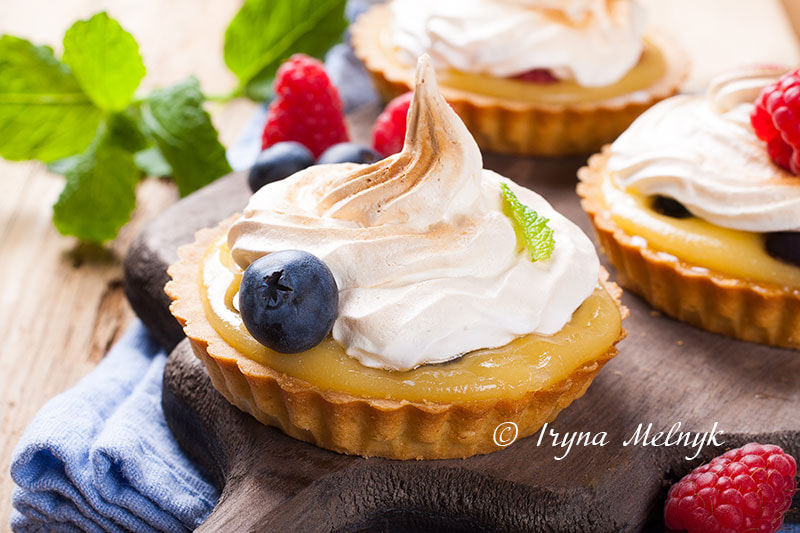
345, 423
524, 128
743, 309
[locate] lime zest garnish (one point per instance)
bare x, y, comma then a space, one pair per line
531, 228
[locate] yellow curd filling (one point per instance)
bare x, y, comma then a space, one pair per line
528, 363
651, 67
740, 254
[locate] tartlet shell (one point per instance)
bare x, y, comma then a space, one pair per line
525, 128
746, 310
345, 423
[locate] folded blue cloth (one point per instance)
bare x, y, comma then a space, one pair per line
100, 456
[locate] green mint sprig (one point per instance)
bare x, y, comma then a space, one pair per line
82, 117
531, 228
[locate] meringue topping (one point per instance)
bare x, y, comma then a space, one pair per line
701, 150
593, 42
428, 266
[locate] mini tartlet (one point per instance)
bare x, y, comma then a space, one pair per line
434, 345
479, 64
684, 204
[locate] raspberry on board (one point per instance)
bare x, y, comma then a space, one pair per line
776, 120
745, 489
306, 108
389, 130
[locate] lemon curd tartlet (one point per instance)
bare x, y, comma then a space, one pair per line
531, 77
449, 322
693, 213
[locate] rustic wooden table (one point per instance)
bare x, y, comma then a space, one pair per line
62, 305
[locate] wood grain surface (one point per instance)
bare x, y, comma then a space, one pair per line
666, 372
61, 305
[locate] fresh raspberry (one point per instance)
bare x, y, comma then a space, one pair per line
306, 107
389, 131
537, 75
746, 489
776, 120
780, 152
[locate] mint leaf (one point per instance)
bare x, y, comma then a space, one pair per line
266, 32
99, 195
105, 60
260, 87
152, 163
123, 130
147, 156
44, 114
62, 166
536, 235
182, 130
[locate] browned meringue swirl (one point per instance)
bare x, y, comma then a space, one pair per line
439, 159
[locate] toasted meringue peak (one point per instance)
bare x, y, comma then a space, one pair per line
440, 165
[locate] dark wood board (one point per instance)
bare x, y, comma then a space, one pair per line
666, 372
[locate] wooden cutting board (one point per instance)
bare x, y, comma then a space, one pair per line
666, 373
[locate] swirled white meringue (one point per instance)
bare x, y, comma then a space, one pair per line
427, 264
702, 151
594, 42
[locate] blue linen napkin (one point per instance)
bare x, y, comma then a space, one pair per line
100, 456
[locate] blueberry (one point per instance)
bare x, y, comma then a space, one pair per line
348, 153
288, 300
784, 245
277, 162
670, 207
